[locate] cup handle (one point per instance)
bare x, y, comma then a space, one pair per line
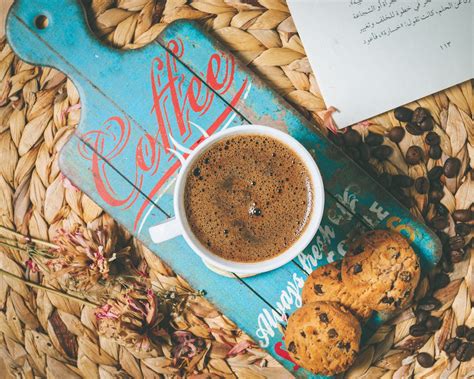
165, 231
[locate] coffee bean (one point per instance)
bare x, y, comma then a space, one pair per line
435, 173
425, 360
463, 215
436, 185
451, 345
440, 280
414, 155
417, 330
435, 152
420, 114
382, 152
432, 139
440, 222
428, 303
433, 323
414, 129
421, 316
452, 167
456, 243
373, 139
470, 335
427, 124
352, 138
422, 185
403, 114
364, 152
396, 134
435, 196
462, 229
465, 352
385, 179
456, 256
403, 181
461, 331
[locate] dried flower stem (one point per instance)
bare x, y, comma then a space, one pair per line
48, 289
34, 240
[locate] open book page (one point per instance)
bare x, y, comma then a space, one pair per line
370, 56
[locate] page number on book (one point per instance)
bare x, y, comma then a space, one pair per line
445, 45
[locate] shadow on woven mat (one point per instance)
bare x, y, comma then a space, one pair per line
47, 335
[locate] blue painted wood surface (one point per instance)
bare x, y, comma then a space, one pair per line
142, 109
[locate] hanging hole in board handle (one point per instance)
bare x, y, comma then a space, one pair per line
41, 21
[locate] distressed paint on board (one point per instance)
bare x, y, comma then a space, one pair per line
144, 110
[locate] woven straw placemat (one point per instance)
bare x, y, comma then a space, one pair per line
44, 334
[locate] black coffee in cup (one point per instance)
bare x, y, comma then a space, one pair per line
248, 198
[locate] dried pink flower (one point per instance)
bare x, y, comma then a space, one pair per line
186, 346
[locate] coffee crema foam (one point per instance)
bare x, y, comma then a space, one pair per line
248, 198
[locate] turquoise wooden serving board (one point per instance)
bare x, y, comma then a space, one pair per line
143, 110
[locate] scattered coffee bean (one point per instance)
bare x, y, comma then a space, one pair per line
352, 138
425, 360
462, 229
429, 303
422, 185
465, 352
414, 129
373, 139
470, 335
414, 155
461, 331
421, 316
456, 256
436, 185
435, 173
433, 323
417, 330
452, 167
435, 152
440, 280
462, 215
382, 152
427, 124
440, 222
435, 196
456, 243
432, 139
403, 181
420, 114
332, 333
396, 134
451, 345
403, 114
364, 152
385, 179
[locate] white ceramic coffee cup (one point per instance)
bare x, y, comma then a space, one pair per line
178, 225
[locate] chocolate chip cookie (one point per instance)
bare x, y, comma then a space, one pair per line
325, 284
381, 270
323, 337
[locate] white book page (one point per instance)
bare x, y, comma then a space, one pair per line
370, 56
